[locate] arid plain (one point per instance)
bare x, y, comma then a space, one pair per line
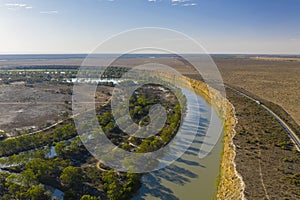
276, 80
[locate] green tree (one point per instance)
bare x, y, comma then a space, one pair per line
13, 184
93, 174
38, 193
109, 127
105, 118
40, 167
88, 197
70, 195
3, 177
28, 178
71, 176
59, 148
112, 185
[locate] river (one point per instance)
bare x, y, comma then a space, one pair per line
189, 177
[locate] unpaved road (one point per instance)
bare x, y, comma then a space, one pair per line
286, 127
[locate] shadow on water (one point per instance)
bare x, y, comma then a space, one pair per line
203, 122
198, 141
152, 185
188, 162
179, 175
193, 149
203, 109
176, 174
190, 153
152, 182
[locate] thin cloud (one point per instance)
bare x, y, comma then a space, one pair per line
179, 1
189, 4
16, 6
185, 3
49, 12
154, 1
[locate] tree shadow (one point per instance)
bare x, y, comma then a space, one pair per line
187, 162
152, 186
177, 173
152, 182
190, 153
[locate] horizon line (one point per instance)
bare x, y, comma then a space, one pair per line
273, 54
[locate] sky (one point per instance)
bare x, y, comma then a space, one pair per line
220, 26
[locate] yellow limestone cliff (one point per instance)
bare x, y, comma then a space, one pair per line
230, 183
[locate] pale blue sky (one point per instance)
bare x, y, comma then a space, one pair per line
221, 26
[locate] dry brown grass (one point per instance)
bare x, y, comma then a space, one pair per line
272, 58
276, 81
266, 158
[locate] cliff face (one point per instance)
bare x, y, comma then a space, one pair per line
231, 185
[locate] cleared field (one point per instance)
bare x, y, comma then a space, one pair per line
24, 107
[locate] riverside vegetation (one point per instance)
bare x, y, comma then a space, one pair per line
28, 170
